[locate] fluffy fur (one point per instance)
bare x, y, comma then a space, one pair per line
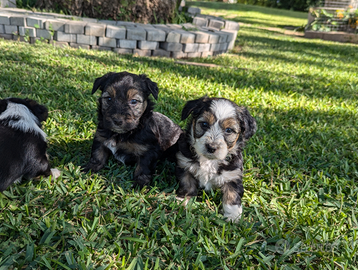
22, 141
128, 128
210, 150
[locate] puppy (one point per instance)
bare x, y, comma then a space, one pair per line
210, 150
22, 141
128, 128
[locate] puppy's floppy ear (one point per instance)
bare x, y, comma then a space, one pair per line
40, 111
193, 106
3, 105
247, 123
100, 82
152, 86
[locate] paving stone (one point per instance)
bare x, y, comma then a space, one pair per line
75, 27
173, 36
107, 42
118, 32
223, 47
232, 38
154, 34
193, 10
231, 25
82, 46
43, 33
2, 29
142, 52
83, 39
147, 45
6, 36
171, 46
27, 31
204, 47
63, 37
97, 30
19, 38
137, 33
89, 20
127, 44
123, 51
11, 29
35, 22
175, 26
313, 34
215, 47
145, 26
201, 37
159, 52
122, 23
216, 24
18, 20
104, 48
187, 37
5, 19
55, 25
190, 47
206, 54
202, 22
194, 54
108, 22
178, 55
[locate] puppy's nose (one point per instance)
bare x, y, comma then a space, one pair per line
210, 148
118, 122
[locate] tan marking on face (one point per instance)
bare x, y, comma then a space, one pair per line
208, 117
205, 117
111, 91
232, 138
131, 93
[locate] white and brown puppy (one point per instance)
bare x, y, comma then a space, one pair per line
128, 128
210, 150
22, 141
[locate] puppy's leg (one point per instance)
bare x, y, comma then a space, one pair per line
99, 156
232, 194
145, 168
188, 185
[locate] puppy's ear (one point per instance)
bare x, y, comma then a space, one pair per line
193, 106
247, 123
40, 111
100, 82
3, 105
152, 86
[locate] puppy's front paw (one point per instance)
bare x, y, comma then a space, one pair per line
185, 200
232, 212
55, 173
141, 181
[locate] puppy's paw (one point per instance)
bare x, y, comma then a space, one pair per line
232, 212
184, 200
55, 173
141, 181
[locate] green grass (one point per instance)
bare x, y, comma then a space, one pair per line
255, 15
300, 202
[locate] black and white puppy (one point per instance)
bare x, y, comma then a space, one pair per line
128, 128
22, 141
210, 150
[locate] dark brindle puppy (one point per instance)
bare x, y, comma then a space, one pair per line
127, 126
210, 150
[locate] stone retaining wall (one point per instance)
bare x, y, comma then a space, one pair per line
207, 35
333, 36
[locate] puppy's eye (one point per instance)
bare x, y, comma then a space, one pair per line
109, 99
229, 130
204, 125
133, 102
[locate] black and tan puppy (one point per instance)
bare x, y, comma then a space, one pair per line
127, 126
22, 141
210, 150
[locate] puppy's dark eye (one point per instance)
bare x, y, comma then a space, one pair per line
109, 99
229, 130
133, 102
204, 125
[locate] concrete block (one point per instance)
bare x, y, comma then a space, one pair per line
11, 29
137, 33
89, 20
63, 37
43, 33
55, 25
58, 43
6, 36
171, 46
163, 27
104, 48
8, 3
142, 52
18, 20
127, 44
193, 10
2, 29
204, 47
121, 23
231, 39
83, 39
200, 21
123, 51
201, 37
159, 52
75, 27
231, 25
194, 54
206, 54
223, 46
215, 47
97, 30
108, 22
216, 24
147, 45
27, 31
313, 34
118, 32
107, 42
155, 34
187, 37
175, 26
18, 38
77, 46
4, 19
35, 22
145, 26
190, 47
178, 55
173, 36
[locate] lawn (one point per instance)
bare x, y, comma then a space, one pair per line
300, 202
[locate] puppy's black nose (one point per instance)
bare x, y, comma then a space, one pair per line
210, 148
118, 122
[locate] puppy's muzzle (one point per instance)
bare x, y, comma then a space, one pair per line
211, 148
